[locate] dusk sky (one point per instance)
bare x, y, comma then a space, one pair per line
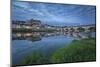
54, 14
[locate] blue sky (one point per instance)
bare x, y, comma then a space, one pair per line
54, 14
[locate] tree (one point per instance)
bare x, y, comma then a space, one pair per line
81, 29
92, 29
72, 29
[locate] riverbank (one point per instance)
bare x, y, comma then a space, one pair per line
32, 30
78, 51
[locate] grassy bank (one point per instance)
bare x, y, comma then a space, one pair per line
77, 51
35, 58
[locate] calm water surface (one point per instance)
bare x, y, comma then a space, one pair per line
46, 46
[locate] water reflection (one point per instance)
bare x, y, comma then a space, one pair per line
36, 36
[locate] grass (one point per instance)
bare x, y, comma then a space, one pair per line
35, 58
78, 51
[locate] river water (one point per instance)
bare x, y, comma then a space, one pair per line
47, 45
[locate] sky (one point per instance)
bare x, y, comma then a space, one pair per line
54, 14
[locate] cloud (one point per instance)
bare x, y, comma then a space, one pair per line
54, 13
36, 11
23, 5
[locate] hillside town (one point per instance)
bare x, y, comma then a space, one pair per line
36, 25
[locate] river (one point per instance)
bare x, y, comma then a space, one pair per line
47, 45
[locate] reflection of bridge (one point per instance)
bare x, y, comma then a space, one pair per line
36, 36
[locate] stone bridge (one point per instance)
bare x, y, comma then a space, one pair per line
84, 28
